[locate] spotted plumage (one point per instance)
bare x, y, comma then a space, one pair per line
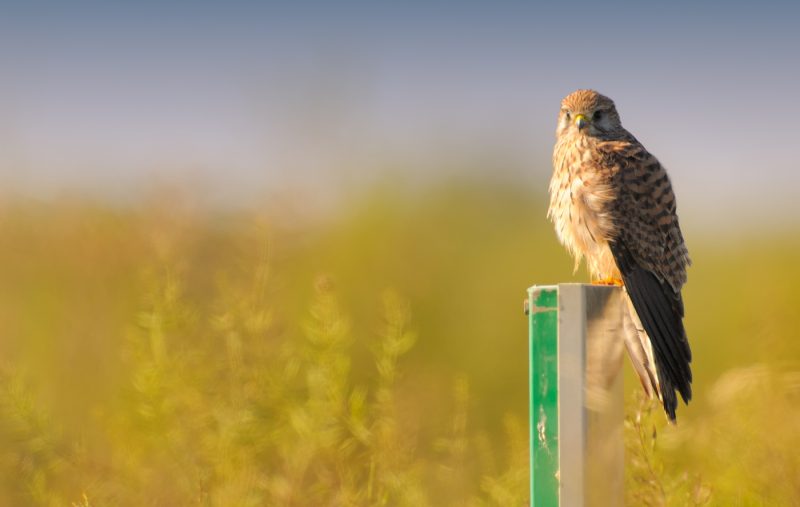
612, 204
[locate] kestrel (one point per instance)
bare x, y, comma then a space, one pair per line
612, 203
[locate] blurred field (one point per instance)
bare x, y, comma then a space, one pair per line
165, 355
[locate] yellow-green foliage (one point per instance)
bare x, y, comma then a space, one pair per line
161, 355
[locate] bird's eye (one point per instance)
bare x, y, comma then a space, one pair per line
597, 115
567, 115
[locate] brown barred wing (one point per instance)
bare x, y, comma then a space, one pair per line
652, 258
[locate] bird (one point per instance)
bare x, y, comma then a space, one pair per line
612, 204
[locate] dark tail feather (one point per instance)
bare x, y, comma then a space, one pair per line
660, 311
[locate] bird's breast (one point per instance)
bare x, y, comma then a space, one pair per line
580, 200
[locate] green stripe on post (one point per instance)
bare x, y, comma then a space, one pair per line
543, 375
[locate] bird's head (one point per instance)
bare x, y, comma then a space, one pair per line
586, 112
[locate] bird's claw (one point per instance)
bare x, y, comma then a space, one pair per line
610, 281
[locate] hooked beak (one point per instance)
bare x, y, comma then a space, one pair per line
580, 121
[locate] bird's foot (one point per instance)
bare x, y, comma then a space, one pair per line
610, 281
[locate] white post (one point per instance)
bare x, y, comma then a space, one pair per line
591, 413
576, 412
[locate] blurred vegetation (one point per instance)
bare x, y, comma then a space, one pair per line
166, 355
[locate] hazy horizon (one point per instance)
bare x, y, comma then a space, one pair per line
246, 100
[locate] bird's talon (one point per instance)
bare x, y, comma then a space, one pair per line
610, 281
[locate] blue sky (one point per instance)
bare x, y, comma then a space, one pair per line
250, 97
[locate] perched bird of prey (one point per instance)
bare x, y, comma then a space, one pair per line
612, 204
